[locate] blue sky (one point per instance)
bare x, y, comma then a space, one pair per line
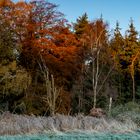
112, 10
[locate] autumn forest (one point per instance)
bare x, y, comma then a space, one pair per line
49, 66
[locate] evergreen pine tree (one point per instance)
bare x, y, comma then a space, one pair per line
131, 55
81, 25
132, 33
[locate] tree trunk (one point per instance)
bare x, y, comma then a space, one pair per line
110, 105
95, 94
133, 79
52, 112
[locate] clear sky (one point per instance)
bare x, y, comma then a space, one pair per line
112, 10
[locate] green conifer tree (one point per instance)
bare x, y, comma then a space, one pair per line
81, 25
131, 55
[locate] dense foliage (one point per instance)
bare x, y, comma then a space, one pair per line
48, 66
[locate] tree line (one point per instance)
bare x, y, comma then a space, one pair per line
48, 65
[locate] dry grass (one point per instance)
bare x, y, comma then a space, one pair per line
12, 124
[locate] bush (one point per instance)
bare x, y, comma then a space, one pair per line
128, 107
129, 111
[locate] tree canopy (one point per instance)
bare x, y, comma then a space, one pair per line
48, 65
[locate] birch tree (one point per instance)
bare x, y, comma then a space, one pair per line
99, 56
52, 92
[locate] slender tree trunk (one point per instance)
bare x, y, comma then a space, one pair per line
110, 105
95, 97
52, 111
52, 92
94, 92
79, 104
95, 78
132, 72
120, 87
95, 67
133, 80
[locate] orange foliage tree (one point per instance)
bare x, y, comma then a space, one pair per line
47, 34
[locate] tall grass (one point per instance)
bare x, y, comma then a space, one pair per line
12, 124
